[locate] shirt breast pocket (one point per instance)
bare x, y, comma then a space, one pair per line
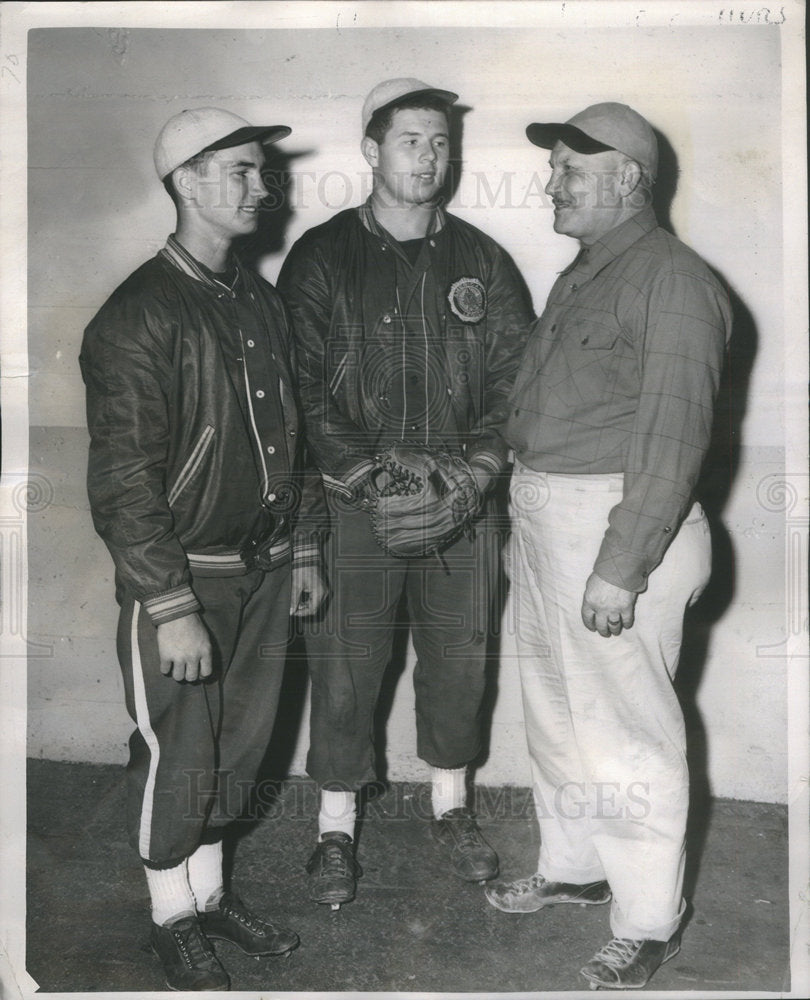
595, 353
592, 336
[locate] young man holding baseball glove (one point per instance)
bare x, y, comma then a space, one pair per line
410, 325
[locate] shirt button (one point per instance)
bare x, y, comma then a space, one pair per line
251, 343
517, 413
585, 340
271, 450
260, 394
433, 243
383, 246
667, 530
574, 287
554, 328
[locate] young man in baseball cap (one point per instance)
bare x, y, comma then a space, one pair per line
610, 419
193, 471
410, 324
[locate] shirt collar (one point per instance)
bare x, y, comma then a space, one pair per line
177, 254
614, 243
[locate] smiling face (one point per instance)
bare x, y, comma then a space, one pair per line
588, 192
410, 163
224, 193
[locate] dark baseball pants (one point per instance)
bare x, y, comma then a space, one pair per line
197, 747
448, 611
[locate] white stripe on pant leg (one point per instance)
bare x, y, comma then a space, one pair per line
144, 725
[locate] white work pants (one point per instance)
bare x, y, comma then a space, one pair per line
603, 724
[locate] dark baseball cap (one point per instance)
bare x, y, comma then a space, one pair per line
599, 128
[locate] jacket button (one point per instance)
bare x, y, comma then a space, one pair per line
251, 343
554, 328
292, 434
260, 394
271, 497
386, 318
585, 340
271, 450
517, 413
667, 530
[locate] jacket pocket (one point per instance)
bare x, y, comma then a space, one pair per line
192, 464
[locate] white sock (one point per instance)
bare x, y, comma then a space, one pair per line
170, 893
338, 813
449, 789
205, 875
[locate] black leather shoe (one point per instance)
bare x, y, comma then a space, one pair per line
470, 855
334, 870
232, 921
188, 959
628, 965
527, 895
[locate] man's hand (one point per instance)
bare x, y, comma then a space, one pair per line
308, 591
185, 649
607, 609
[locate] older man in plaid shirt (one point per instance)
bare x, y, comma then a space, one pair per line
610, 420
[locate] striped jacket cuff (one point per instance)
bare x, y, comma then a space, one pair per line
486, 460
306, 553
171, 604
350, 480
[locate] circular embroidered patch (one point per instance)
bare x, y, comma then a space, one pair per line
468, 299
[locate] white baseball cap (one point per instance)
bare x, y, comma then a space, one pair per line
391, 91
203, 129
602, 127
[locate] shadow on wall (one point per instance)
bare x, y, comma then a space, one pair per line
456, 164
714, 486
276, 209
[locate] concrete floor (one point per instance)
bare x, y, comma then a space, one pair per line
413, 926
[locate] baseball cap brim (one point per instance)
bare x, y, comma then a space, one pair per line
546, 135
250, 133
443, 95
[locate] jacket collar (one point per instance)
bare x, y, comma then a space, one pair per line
177, 255
369, 220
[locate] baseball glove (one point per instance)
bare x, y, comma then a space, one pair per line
425, 501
